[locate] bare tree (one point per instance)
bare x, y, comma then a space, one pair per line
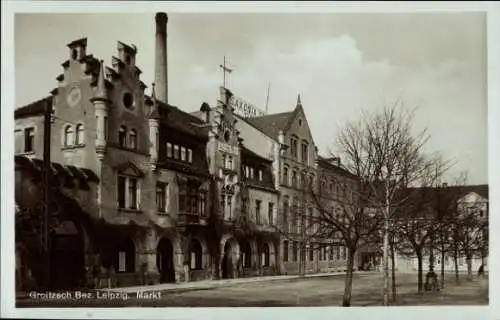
383, 150
418, 216
351, 223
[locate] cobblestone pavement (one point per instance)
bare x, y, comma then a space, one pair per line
313, 291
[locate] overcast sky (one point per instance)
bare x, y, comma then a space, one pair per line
340, 64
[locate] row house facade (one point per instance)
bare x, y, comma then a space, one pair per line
175, 196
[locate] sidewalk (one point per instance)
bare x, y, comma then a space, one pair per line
211, 284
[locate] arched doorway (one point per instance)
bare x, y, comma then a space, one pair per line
165, 260
227, 262
266, 255
125, 261
67, 261
246, 255
195, 255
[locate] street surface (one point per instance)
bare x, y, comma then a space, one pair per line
315, 291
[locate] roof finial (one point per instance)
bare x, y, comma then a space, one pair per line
153, 93
101, 84
299, 103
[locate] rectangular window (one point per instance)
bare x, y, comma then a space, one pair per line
270, 213
294, 250
29, 139
338, 253
229, 163
170, 153
121, 192
285, 176
182, 199
190, 155
202, 204
311, 253
161, 196
344, 253
331, 252
194, 201
294, 179
285, 251
183, 154
260, 175
176, 152
304, 153
257, 211
223, 204
251, 173
132, 192
293, 147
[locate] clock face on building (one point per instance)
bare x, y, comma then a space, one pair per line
74, 96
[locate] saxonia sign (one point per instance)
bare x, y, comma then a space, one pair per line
245, 109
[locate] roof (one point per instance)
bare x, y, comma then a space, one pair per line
179, 120
245, 152
33, 109
271, 124
66, 172
325, 163
440, 198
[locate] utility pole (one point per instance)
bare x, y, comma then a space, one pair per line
46, 190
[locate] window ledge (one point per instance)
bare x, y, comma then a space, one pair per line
162, 214
71, 147
25, 153
128, 210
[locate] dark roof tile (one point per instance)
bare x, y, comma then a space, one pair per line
271, 124
33, 109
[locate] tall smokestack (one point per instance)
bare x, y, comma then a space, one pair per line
161, 81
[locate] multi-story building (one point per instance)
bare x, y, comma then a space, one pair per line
171, 188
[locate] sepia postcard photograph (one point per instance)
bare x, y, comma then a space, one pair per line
324, 159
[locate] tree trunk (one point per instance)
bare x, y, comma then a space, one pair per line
420, 284
442, 266
469, 267
393, 274
386, 262
346, 300
455, 261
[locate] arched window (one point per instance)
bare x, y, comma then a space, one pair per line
79, 134
195, 255
68, 135
126, 257
122, 137
133, 139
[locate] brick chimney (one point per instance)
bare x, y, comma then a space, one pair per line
161, 68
